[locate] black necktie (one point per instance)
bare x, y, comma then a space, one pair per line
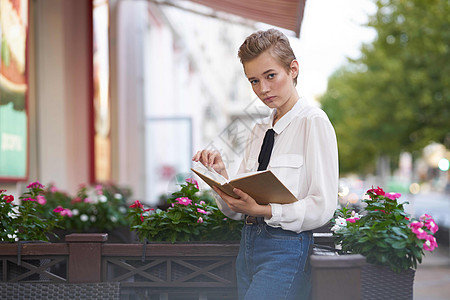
266, 150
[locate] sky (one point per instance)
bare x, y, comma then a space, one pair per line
332, 30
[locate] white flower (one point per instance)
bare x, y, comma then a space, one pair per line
122, 209
102, 198
93, 218
113, 219
84, 218
355, 215
75, 212
118, 196
340, 223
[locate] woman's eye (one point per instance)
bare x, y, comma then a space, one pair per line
270, 76
253, 82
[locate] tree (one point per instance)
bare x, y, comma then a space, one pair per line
396, 96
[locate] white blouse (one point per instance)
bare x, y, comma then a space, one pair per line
305, 160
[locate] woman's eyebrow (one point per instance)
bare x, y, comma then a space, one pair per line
268, 71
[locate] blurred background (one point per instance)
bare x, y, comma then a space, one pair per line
126, 91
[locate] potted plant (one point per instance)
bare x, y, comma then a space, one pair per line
190, 216
100, 208
392, 242
25, 222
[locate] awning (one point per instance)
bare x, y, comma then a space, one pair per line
286, 14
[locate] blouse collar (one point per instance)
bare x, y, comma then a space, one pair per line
286, 119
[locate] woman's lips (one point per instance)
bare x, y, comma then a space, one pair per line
269, 99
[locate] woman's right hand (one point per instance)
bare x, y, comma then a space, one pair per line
211, 159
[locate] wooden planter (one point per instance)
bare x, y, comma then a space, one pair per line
158, 270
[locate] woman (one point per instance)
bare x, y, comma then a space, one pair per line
298, 144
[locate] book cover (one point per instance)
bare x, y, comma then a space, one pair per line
263, 186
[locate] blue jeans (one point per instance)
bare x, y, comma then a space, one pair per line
273, 264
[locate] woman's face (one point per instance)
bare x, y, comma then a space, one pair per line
271, 82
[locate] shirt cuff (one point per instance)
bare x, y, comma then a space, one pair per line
276, 215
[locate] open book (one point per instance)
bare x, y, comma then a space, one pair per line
263, 186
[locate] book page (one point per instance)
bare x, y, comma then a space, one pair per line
243, 175
210, 172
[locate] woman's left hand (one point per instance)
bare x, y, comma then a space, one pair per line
245, 204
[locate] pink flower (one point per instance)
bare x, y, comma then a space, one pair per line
99, 189
425, 217
9, 198
28, 199
184, 200
87, 200
430, 243
67, 212
53, 189
393, 196
352, 219
41, 200
378, 191
202, 211
202, 202
193, 181
416, 227
431, 225
35, 184
200, 220
137, 204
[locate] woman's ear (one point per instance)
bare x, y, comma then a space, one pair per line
294, 68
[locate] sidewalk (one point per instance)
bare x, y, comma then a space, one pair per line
432, 280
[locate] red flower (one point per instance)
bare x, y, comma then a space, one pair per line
58, 209
378, 191
28, 199
76, 200
137, 204
142, 217
9, 198
35, 184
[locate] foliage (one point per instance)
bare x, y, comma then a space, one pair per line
396, 96
25, 222
190, 217
385, 234
102, 207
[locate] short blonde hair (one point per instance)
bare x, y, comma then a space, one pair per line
270, 40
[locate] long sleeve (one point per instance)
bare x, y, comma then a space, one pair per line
318, 180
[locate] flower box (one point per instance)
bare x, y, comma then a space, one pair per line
355, 279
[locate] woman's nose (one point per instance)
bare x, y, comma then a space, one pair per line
264, 87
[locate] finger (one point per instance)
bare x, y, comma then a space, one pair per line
196, 157
215, 160
240, 193
204, 157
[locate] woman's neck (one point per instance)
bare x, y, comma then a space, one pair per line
281, 111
